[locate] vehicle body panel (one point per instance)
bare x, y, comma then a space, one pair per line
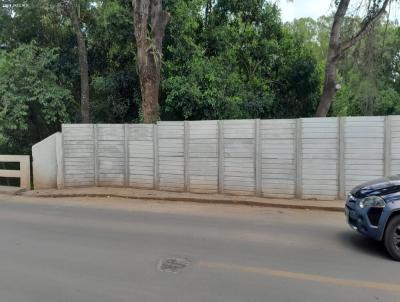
372, 222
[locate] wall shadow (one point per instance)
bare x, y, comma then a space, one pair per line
363, 244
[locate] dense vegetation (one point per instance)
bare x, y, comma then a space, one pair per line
221, 59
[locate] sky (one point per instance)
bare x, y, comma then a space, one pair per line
304, 8
315, 8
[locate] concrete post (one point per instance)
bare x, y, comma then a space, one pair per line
186, 164
341, 159
257, 161
60, 160
156, 176
388, 147
95, 157
25, 172
299, 159
126, 155
221, 157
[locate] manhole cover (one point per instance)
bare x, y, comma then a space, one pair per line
173, 264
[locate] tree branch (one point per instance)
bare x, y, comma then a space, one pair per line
334, 41
367, 23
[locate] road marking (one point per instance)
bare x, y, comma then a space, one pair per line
300, 276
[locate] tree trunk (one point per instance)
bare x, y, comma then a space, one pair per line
149, 77
207, 13
329, 89
149, 14
83, 63
337, 48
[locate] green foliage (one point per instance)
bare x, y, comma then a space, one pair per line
32, 103
221, 59
369, 75
114, 83
314, 34
240, 63
388, 102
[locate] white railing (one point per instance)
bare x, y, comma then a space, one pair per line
24, 172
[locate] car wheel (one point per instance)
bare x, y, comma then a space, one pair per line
392, 238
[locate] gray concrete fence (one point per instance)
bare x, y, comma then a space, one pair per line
310, 158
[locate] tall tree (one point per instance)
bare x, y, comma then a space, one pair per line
32, 99
72, 8
369, 75
243, 64
114, 83
338, 46
150, 21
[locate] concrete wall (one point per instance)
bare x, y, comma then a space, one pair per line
141, 147
364, 152
239, 161
79, 155
171, 156
45, 164
278, 158
319, 158
202, 156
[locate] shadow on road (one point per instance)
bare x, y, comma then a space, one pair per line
363, 244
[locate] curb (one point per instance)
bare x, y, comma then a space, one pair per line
10, 192
201, 200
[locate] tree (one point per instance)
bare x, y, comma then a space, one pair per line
32, 102
115, 89
72, 8
338, 46
150, 21
241, 63
369, 75
314, 34
221, 59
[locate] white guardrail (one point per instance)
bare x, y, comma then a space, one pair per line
24, 172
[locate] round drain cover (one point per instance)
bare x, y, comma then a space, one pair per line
173, 264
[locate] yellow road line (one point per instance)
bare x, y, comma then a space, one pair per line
300, 276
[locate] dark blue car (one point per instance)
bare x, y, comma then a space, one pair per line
373, 209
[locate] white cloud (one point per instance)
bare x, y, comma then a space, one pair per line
304, 8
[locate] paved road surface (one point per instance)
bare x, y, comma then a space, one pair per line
110, 250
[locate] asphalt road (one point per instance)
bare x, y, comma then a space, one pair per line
110, 251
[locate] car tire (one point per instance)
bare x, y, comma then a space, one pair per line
392, 238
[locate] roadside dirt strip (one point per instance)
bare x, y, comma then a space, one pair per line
130, 193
